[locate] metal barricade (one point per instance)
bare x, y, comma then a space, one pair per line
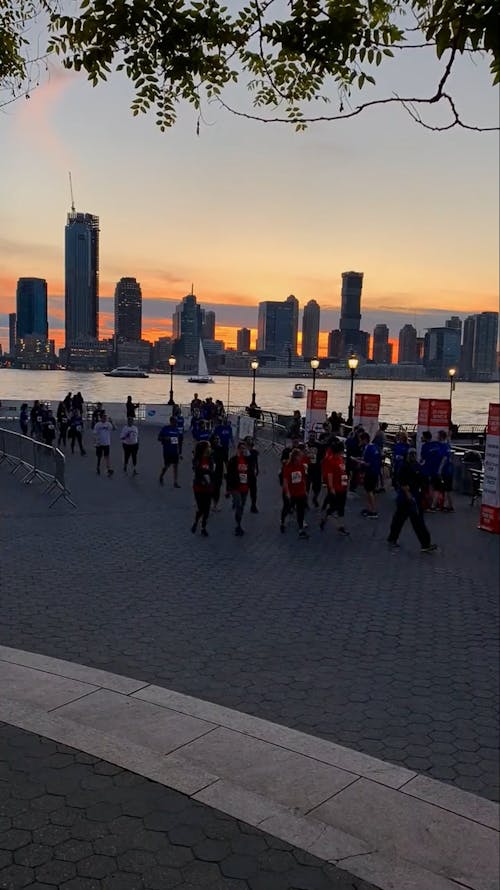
37, 461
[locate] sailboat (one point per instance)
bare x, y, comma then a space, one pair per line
203, 375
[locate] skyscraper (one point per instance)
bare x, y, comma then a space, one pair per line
353, 340
441, 351
310, 329
335, 344
454, 322
208, 324
485, 346
277, 327
128, 310
82, 277
243, 340
381, 348
31, 308
187, 326
12, 333
467, 352
407, 352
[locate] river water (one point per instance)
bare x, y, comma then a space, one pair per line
399, 399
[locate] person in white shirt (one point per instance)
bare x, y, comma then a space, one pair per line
102, 433
130, 440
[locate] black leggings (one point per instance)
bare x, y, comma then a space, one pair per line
203, 501
130, 451
300, 504
409, 511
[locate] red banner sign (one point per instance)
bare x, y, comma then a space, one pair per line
489, 518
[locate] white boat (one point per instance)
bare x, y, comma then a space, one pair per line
202, 376
125, 371
299, 391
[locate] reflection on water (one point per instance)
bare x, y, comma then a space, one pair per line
399, 399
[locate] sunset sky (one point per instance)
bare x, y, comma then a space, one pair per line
248, 212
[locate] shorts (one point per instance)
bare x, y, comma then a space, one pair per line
170, 460
336, 503
370, 481
102, 450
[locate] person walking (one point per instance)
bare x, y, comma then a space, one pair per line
102, 433
130, 408
224, 431
203, 469
445, 473
62, 424
312, 452
295, 490
49, 429
337, 482
371, 463
181, 425
253, 472
237, 484
75, 431
129, 437
169, 438
24, 418
410, 485
218, 458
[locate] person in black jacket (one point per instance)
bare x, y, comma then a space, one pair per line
203, 469
253, 472
410, 491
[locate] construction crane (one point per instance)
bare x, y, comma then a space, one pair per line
71, 192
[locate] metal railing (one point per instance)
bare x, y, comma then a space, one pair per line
35, 460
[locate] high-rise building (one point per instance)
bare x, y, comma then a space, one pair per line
382, 353
12, 333
187, 329
441, 351
31, 308
350, 312
81, 277
208, 324
467, 351
485, 346
407, 351
243, 340
454, 322
128, 310
335, 344
277, 327
310, 329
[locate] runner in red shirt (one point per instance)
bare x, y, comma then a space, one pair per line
295, 490
237, 484
336, 480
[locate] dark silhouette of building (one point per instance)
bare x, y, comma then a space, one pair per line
278, 327
12, 333
187, 329
441, 351
335, 344
208, 324
310, 329
407, 349
479, 348
382, 349
81, 297
128, 310
31, 308
243, 340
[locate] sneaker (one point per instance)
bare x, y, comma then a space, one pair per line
253, 510
110, 472
305, 525
393, 544
315, 502
303, 534
124, 469
204, 533
239, 532
176, 485
135, 473
98, 471
343, 531
282, 528
322, 524
430, 549
371, 515
160, 480
365, 512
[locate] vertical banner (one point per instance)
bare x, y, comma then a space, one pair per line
489, 518
316, 410
433, 415
366, 411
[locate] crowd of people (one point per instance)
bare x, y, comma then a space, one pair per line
318, 471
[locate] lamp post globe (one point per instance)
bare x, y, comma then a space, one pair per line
352, 364
254, 364
314, 365
171, 363
451, 375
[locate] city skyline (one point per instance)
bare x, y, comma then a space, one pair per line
252, 213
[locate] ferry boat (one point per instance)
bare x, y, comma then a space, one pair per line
299, 391
126, 372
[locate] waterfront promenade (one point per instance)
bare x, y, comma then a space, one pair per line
390, 655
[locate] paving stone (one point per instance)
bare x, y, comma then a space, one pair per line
15, 877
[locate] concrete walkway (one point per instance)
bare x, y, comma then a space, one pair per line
380, 822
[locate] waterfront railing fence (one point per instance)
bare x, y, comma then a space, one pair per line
29, 459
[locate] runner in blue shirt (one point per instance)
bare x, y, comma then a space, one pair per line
445, 472
201, 432
224, 431
180, 426
399, 453
169, 438
371, 461
429, 462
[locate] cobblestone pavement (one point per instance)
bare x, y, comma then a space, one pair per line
394, 654
74, 822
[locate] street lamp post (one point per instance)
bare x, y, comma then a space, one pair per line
352, 363
451, 375
171, 362
314, 366
254, 365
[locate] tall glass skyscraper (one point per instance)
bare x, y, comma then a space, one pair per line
82, 277
128, 309
278, 327
31, 308
310, 329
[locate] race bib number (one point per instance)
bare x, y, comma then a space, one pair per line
296, 477
344, 481
243, 478
312, 457
173, 440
